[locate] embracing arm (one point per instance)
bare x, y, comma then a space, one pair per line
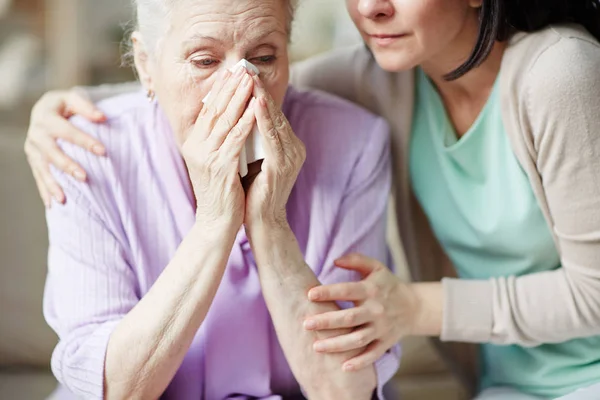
49, 122
561, 112
98, 93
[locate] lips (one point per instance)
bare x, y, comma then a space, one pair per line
385, 39
387, 36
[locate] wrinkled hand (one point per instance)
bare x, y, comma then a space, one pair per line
284, 156
48, 124
212, 150
385, 309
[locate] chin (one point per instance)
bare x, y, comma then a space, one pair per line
394, 63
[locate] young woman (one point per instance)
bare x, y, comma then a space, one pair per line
496, 139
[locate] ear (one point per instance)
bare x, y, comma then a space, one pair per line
476, 3
142, 61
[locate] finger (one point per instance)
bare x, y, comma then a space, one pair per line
347, 291
357, 339
79, 104
349, 318
55, 156
236, 138
374, 351
359, 263
229, 89
44, 193
63, 129
266, 127
50, 183
208, 115
236, 108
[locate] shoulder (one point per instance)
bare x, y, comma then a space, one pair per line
130, 128
552, 77
557, 61
321, 119
129, 135
332, 68
350, 73
123, 113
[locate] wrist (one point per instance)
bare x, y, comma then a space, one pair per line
427, 305
216, 230
269, 223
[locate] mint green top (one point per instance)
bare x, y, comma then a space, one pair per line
484, 213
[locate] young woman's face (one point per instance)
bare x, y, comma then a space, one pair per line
405, 33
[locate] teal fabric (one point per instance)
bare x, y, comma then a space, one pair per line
484, 213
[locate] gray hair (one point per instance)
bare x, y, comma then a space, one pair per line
150, 20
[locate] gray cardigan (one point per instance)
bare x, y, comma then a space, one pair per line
550, 90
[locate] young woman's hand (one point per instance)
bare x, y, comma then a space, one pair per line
285, 154
212, 150
385, 311
49, 122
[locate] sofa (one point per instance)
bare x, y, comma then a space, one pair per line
26, 342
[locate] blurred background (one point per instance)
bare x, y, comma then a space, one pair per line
51, 44
47, 44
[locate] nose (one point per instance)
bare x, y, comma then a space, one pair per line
376, 9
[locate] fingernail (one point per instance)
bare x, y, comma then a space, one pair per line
98, 115
348, 367
79, 174
263, 102
59, 198
246, 80
319, 347
98, 150
310, 324
313, 295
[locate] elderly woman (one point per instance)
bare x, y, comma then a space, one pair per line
154, 287
494, 112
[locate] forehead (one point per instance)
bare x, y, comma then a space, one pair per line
229, 20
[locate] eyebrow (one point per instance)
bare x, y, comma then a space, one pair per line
199, 37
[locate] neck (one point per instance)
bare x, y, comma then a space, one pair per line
474, 85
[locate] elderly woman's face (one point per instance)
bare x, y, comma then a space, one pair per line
209, 36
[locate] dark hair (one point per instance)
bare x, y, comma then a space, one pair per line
499, 19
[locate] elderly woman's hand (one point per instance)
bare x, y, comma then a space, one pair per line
212, 150
285, 154
386, 310
48, 124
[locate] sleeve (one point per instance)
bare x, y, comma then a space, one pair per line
361, 225
98, 93
562, 92
90, 286
340, 72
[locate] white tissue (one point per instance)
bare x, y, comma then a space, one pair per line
253, 149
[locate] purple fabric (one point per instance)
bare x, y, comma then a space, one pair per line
116, 234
